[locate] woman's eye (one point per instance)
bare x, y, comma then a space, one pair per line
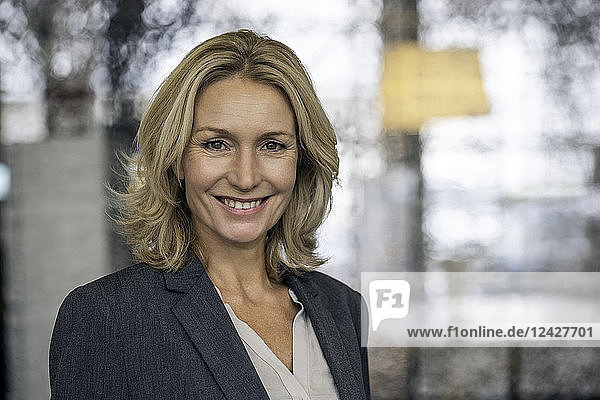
215, 145
274, 146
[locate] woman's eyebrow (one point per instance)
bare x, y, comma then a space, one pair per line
276, 133
220, 131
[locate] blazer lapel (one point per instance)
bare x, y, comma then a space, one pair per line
344, 375
204, 317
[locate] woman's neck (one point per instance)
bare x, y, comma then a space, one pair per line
235, 266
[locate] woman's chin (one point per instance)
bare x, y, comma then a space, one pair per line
246, 238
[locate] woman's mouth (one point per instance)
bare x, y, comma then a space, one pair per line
241, 204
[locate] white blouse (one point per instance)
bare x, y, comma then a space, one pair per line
311, 379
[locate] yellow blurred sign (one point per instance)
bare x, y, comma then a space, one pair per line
419, 84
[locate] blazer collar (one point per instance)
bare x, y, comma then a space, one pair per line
345, 375
183, 280
204, 318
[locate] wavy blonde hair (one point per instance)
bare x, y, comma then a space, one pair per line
152, 211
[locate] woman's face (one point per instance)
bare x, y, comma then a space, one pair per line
240, 163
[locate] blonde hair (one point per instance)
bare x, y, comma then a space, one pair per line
153, 214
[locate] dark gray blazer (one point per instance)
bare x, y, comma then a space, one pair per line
141, 333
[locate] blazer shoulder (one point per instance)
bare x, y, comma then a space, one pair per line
123, 282
327, 284
86, 353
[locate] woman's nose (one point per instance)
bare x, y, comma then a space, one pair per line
244, 173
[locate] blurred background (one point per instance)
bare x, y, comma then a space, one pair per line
469, 139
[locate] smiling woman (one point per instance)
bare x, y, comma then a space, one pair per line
233, 174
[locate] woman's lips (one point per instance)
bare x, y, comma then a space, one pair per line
242, 206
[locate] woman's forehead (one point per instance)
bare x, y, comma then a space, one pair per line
237, 104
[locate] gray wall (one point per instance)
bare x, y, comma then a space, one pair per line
56, 227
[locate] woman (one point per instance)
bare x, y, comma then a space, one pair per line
232, 177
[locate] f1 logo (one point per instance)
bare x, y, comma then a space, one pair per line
389, 299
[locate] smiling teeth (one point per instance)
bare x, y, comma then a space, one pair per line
241, 205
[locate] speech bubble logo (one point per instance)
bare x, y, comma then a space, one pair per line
389, 299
